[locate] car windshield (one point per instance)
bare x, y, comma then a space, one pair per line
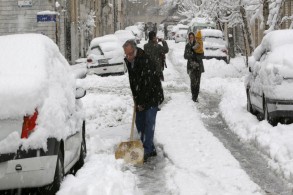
96, 50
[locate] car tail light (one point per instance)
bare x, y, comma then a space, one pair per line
225, 51
89, 60
29, 124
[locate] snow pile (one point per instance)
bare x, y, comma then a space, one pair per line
101, 175
35, 75
79, 70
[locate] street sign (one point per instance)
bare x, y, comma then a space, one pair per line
46, 18
25, 3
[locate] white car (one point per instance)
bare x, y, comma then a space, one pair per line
269, 85
42, 127
178, 28
214, 45
181, 36
106, 56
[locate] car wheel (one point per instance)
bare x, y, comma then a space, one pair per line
83, 152
58, 177
267, 116
249, 106
226, 59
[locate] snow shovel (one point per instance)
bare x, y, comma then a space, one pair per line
131, 151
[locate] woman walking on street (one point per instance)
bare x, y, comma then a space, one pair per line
194, 65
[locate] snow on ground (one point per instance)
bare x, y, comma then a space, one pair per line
228, 82
200, 164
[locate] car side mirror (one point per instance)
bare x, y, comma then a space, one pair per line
80, 93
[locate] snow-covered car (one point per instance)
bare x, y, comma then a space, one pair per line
140, 25
181, 36
106, 56
214, 45
177, 28
269, 85
136, 32
42, 127
169, 30
124, 35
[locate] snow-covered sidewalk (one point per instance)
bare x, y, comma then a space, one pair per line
200, 163
227, 81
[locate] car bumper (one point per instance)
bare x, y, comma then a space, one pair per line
180, 39
26, 173
107, 69
225, 58
280, 108
32, 168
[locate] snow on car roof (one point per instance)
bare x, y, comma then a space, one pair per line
211, 32
113, 51
23, 72
110, 46
282, 59
273, 40
106, 38
35, 75
132, 28
124, 35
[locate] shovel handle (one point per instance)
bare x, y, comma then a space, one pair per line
132, 125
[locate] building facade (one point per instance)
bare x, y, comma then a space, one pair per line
71, 24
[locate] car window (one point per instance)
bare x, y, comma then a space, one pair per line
263, 56
96, 50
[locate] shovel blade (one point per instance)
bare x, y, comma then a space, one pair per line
132, 152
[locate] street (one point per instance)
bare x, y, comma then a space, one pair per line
200, 147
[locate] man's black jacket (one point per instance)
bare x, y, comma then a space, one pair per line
145, 84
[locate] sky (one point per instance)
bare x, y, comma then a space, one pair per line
195, 161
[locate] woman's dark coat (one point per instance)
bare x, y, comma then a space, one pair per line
190, 55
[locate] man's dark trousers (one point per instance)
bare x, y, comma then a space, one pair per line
145, 123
